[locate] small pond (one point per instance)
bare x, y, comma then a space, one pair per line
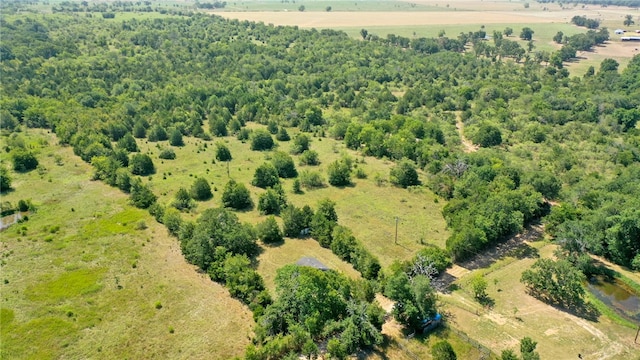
617, 296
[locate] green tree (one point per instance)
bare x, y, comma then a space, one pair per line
404, 174
23, 160
556, 282
282, 134
284, 165
528, 349
545, 183
141, 164
628, 20
261, 140
309, 157
156, 133
487, 136
324, 220
479, 287
200, 190
222, 152
269, 232
558, 37
442, 350
167, 154
176, 138
272, 201
339, 173
508, 354
128, 143
508, 32
141, 195
182, 200
236, 196
5, 179
265, 176
526, 33
300, 144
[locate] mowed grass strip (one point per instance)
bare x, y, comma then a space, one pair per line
82, 279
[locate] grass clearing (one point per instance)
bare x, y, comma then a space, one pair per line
516, 314
80, 282
368, 209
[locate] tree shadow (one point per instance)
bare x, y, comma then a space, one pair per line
582, 310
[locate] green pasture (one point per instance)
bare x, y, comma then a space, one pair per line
344, 5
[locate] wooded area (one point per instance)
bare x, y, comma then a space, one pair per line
555, 149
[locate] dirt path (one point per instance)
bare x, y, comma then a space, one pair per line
467, 145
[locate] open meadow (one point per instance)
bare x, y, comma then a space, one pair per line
89, 276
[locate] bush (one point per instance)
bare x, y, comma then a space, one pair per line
23, 160
487, 136
183, 200
442, 350
311, 179
271, 201
265, 176
167, 154
236, 196
300, 144
269, 231
309, 157
222, 152
282, 135
339, 173
176, 138
141, 196
141, 164
5, 179
404, 174
284, 164
261, 140
200, 190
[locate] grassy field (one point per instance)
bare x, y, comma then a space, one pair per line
336, 6
368, 209
515, 314
81, 279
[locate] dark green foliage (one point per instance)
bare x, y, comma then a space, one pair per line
5, 179
295, 220
182, 200
415, 298
128, 143
272, 201
323, 221
435, 256
123, 179
508, 354
309, 157
586, 22
284, 164
157, 133
269, 232
526, 33
300, 144
282, 135
236, 196
487, 136
167, 154
556, 282
139, 130
23, 160
261, 140
201, 190
141, 164
442, 350
545, 183
265, 176
176, 138
141, 195
404, 174
172, 220
528, 349
222, 152
339, 173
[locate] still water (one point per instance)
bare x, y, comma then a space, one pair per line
617, 296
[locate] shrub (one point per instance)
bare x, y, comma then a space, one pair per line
167, 154
261, 140
236, 196
5, 179
200, 190
265, 176
311, 179
284, 164
141, 164
23, 160
269, 231
309, 157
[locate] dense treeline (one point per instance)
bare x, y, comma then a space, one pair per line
629, 3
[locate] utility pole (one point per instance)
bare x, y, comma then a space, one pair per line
396, 242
